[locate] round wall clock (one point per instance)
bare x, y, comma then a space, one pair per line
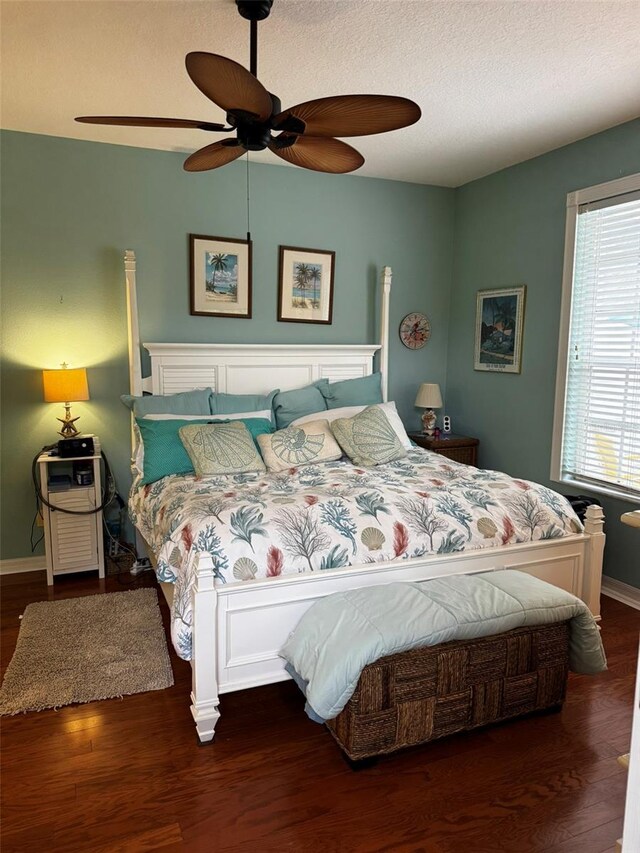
415, 330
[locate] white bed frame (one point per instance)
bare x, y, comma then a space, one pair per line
239, 627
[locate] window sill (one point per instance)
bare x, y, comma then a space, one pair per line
608, 491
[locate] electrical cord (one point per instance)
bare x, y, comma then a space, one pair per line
34, 545
108, 494
117, 542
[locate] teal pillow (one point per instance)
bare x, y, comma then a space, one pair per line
186, 403
229, 404
289, 405
363, 391
164, 453
256, 426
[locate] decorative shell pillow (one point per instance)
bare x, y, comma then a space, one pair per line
368, 438
300, 445
225, 448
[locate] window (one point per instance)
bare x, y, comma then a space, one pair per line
597, 420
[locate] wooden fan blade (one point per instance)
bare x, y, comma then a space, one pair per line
142, 121
350, 115
228, 84
214, 155
321, 154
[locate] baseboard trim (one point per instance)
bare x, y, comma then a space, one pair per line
23, 564
620, 591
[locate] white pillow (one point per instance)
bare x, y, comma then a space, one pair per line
235, 416
137, 457
349, 411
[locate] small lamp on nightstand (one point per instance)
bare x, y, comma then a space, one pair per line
428, 398
66, 386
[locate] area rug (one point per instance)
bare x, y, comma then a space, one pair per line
85, 649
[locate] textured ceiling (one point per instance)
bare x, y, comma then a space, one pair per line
498, 82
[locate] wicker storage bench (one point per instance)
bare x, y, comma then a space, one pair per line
428, 693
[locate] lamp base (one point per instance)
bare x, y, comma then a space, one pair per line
68, 423
428, 422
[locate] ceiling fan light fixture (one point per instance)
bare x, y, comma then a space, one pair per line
254, 137
308, 131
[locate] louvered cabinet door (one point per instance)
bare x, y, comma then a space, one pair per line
74, 538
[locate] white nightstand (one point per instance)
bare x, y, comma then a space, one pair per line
73, 543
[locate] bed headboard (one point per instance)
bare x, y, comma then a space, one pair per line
252, 368
248, 368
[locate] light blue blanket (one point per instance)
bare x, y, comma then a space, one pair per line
342, 633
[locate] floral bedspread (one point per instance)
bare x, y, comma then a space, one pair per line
323, 517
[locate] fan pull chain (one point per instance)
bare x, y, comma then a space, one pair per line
248, 203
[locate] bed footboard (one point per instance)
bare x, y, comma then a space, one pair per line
204, 675
238, 628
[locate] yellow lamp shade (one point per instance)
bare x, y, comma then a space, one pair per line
65, 386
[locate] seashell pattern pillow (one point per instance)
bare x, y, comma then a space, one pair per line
300, 445
225, 448
368, 438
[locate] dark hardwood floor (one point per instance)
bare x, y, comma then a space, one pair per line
129, 775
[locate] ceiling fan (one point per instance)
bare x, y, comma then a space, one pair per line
304, 134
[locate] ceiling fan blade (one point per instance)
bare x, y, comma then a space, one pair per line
214, 155
321, 154
349, 115
142, 121
228, 84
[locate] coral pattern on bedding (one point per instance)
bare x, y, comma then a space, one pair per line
334, 515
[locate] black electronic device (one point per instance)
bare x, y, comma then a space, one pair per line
79, 445
59, 482
446, 424
83, 473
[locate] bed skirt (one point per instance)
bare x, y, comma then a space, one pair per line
418, 696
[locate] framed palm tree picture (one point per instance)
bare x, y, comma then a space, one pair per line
499, 325
305, 288
220, 273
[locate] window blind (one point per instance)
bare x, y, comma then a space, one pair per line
601, 435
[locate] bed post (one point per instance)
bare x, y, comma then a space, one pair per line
135, 365
133, 331
384, 332
594, 527
204, 658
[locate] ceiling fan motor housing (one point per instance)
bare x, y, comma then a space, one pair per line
254, 137
254, 10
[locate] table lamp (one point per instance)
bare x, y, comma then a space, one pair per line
66, 386
428, 398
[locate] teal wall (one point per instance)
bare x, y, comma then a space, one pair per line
70, 209
510, 230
